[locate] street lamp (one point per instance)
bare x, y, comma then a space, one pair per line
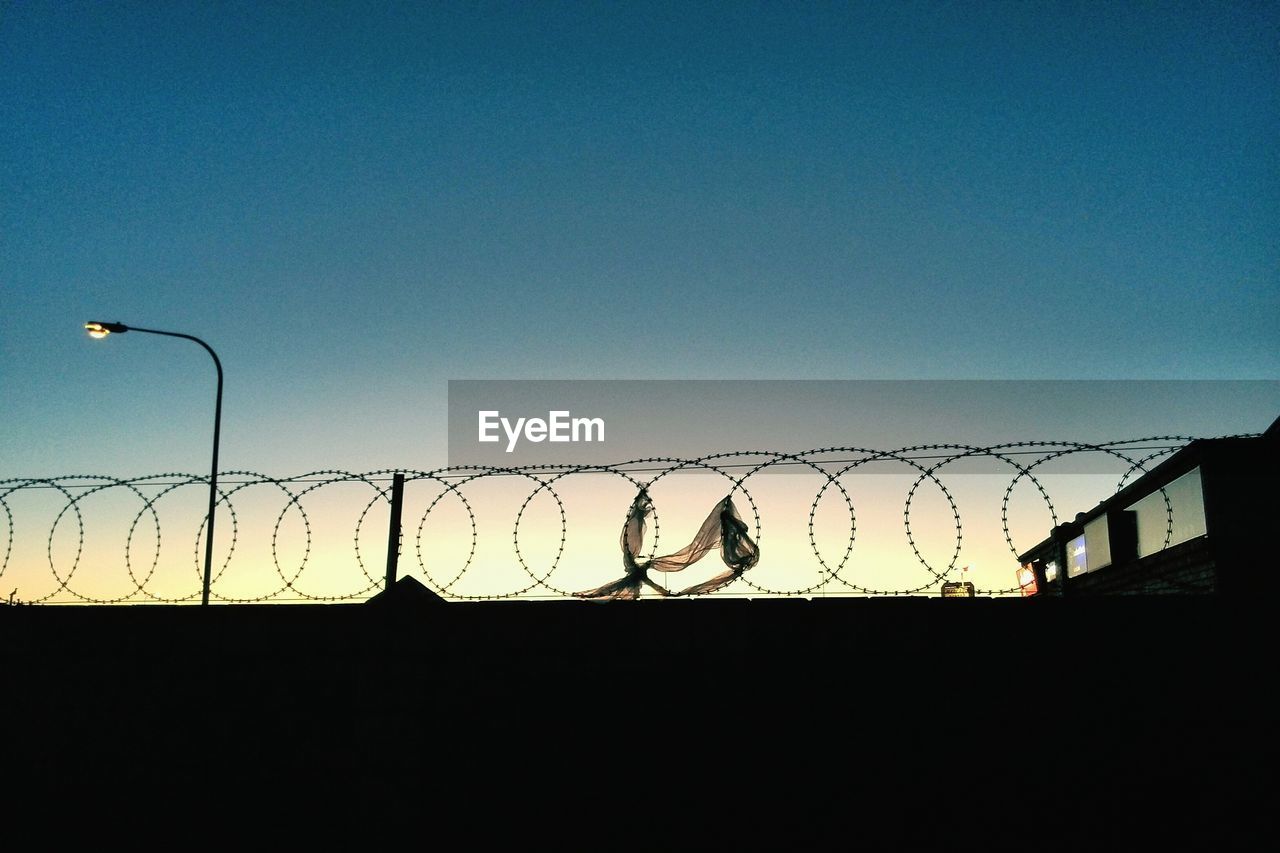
101, 330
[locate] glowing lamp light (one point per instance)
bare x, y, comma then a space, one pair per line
101, 330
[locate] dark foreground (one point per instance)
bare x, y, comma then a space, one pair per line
1095, 719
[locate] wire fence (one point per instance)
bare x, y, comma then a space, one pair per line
65, 571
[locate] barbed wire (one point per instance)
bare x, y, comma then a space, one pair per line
831, 464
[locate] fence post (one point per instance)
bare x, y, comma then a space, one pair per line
393, 531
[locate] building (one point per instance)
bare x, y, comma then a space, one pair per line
1203, 521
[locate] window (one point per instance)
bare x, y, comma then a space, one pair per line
1162, 524
1076, 564
1097, 544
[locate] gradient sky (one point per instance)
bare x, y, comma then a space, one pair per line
355, 202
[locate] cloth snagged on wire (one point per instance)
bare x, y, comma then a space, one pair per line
723, 528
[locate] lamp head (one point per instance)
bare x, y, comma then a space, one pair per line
101, 330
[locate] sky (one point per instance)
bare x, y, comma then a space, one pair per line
354, 203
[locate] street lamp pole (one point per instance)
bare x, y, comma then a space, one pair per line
101, 330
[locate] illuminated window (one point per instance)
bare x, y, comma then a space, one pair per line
1027, 580
1097, 543
1076, 563
1163, 523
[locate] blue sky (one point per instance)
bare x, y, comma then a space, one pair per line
354, 203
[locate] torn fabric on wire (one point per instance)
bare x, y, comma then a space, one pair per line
723, 528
